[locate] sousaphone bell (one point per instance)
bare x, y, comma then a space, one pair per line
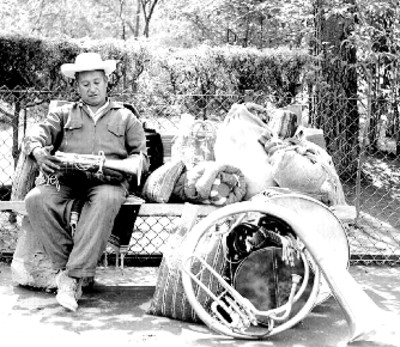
282, 256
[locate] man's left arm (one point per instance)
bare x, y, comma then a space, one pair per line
137, 162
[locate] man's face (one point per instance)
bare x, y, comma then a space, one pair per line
92, 87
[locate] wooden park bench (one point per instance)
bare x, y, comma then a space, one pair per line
30, 264
32, 267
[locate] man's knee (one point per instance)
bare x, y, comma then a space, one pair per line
33, 200
110, 195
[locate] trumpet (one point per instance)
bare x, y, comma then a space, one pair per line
135, 165
323, 246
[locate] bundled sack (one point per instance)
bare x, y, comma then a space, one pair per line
282, 122
237, 145
169, 298
305, 167
211, 183
161, 182
195, 142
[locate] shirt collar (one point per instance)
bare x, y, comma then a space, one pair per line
95, 115
100, 110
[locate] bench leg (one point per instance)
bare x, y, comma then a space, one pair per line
188, 219
123, 250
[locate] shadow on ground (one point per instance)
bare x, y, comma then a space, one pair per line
114, 312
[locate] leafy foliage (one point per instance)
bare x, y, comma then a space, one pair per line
157, 76
257, 23
67, 19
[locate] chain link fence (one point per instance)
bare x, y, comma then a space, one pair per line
368, 166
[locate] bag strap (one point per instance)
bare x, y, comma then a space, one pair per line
132, 108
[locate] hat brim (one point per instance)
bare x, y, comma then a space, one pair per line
69, 70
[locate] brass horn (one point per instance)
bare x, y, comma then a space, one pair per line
234, 315
323, 245
135, 165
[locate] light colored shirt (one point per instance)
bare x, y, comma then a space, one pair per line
71, 129
96, 115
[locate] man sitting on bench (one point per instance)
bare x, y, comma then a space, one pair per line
110, 138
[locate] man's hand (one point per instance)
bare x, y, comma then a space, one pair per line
48, 164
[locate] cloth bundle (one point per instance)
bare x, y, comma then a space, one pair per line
237, 145
195, 142
212, 183
169, 298
304, 167
82, 167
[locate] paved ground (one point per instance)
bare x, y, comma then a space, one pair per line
114, 313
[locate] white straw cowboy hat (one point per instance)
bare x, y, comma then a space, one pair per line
88, 62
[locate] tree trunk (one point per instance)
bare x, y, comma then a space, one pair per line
15, 127
336, 109
137, 22
397, 130
148, 7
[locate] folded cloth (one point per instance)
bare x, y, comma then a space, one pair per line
306, 168
212, 183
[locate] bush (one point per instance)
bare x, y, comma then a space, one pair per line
154, 78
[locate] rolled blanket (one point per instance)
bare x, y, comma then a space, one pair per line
212, 183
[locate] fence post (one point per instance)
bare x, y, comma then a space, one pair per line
363, 146
297, 109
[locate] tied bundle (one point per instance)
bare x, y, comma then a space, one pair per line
91, 167
211, 183
82, 162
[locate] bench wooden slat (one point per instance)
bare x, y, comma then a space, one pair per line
16, 206
346, 214
167, 141
146, 209
172, 209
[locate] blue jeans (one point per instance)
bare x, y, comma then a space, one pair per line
49, 214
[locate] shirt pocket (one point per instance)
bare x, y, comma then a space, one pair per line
71, 129
116, 136
116, 128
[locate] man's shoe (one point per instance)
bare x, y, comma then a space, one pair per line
69, 291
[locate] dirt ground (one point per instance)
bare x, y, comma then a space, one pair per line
115, 313
379, 190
